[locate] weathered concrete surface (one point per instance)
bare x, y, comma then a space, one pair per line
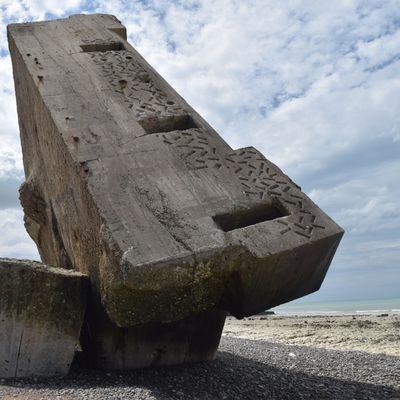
41, 314
127, 183
195, 338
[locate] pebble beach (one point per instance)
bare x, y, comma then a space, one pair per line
263, 357
376, 333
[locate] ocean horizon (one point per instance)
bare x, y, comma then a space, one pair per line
340, 307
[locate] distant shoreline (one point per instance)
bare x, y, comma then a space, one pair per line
371, 333
341, 307
334, 313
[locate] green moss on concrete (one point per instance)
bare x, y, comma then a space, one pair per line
198, 288
48, 296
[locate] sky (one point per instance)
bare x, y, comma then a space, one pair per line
314, 85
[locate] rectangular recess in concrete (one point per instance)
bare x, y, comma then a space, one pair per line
242, 218
112, 46
167, 124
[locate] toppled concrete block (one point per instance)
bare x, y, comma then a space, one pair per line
41, 314
125, 182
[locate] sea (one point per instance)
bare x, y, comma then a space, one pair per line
340, 307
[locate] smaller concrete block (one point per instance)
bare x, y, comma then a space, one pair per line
41, 315
193, 339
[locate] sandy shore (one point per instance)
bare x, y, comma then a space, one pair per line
368, 333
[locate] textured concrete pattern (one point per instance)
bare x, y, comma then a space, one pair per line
41, 315
125, 182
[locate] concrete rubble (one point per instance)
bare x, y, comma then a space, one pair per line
127, 184
41, 316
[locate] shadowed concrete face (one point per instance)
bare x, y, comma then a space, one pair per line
41, 314
128, 184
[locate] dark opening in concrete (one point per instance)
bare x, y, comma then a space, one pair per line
167, 124
246, 217
112, 46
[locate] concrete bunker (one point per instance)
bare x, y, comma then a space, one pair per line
126, 184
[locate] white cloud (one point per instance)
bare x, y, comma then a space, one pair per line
56, 7
10, 164
14, 242
37, 9
367, 203
9, 139
372, 246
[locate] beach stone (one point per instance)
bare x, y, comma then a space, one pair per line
126, 183
41, 314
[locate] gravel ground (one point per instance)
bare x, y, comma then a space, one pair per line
243, 369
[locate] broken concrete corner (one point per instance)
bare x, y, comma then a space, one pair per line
41, 314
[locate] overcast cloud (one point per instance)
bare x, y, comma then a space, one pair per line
314, 85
